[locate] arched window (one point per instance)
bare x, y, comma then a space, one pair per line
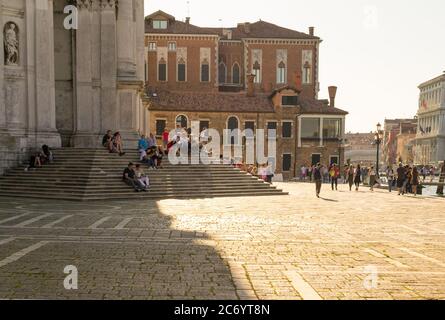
162, 70
222, 71
235, 73
233, 124
205, 71
182, 121
181, 70
257, 72
281, 72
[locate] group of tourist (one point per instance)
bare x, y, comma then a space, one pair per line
150, 153
405, 178
40, 158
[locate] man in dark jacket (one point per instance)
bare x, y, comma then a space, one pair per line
401, 176
318, 179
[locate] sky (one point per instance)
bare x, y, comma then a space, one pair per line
376, 51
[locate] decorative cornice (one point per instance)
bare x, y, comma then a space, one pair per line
109, 4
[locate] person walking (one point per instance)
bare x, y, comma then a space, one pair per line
414, 180
390, 177
357, 177
318, 178
372, 178
400, 178
350, 176
334, 173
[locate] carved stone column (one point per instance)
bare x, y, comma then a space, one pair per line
129, 43
2, 59
125, 39
108, 66
84, 115
44, 71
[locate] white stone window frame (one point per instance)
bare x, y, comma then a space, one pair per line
163, 24
321, 117
266, 129
281, 75
156, 122
282, 161
177, 71
292, 122
288, 105
225, 73
239, 73
335, 156
171, 46
152, 46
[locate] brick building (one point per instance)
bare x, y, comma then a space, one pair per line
256, 75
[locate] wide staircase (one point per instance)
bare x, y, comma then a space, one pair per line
95, 174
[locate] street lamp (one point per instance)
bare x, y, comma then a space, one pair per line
378, 138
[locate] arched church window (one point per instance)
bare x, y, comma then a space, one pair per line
233, 124
281, 72
181, 70
235, 73
222, 72
205, 71
257, 72
162, 70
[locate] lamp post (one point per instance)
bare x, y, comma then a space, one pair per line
378, 138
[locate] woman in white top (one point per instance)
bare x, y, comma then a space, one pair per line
140, 175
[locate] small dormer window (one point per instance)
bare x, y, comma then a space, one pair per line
159, 24
289, 100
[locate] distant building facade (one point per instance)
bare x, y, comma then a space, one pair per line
398, 141
360, 149
430, 140
256, 75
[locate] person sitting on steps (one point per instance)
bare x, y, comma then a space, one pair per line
141, 176
117, 144
129, 177
142, 147
107, 141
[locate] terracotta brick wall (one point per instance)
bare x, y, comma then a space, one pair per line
193, 82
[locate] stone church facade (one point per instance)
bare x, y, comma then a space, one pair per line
66, 87
253, 76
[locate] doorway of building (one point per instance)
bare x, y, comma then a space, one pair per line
316, 158
334, 159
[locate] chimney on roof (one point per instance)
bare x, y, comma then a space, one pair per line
245, 27
250, 85
187, 20
311, 31
332, 95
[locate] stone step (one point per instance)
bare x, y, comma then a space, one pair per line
126, 189
147, 195
95, 174
120, 185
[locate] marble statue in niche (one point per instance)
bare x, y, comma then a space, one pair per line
11, 44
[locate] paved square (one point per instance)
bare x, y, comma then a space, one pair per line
348, 245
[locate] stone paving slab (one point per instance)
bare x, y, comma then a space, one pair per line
346, 245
